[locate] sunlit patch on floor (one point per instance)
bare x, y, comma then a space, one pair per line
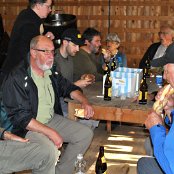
122, 156
118, 148
120, 138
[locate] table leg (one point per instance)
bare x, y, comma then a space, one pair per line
108, 126
71, 111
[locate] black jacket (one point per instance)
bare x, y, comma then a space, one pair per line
149, 53
26, 26
20, 97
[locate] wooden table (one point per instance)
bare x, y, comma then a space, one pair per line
114, 110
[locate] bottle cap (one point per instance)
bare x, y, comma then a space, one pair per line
80, 156
101, 147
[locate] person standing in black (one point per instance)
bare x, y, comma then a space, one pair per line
28, 24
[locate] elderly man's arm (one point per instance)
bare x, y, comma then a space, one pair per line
67, 89
54, 136
154, 123
169, 144
79, 96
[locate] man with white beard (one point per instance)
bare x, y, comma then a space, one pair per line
34, 110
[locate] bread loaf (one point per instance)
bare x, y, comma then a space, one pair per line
80, 113
103, 51
159, 104
89, 77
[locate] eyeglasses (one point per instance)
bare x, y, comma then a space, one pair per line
46, 52
162, 32
46, 5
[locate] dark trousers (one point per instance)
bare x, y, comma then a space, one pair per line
148, 165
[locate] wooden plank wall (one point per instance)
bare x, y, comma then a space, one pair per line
136, 21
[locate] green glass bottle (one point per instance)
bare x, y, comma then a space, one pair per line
143, 92
113, 64
147, 67
101, 165
108, 87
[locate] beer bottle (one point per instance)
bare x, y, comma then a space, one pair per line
113, 64
144, 75
147, 67
143, 92
101, 165
106, 70
108, 87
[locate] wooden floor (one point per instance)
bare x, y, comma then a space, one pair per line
123, 147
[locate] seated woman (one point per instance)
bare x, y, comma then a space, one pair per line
112, 53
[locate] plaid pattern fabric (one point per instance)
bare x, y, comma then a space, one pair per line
125, 81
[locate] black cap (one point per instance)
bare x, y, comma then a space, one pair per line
73, 35
168, 57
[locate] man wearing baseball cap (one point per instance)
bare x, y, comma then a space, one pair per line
70, 42
73, 35
162, 139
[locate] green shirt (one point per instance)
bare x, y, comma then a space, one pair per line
64, 65
85, 63
45, 96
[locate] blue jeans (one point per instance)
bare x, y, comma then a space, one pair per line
148, 165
